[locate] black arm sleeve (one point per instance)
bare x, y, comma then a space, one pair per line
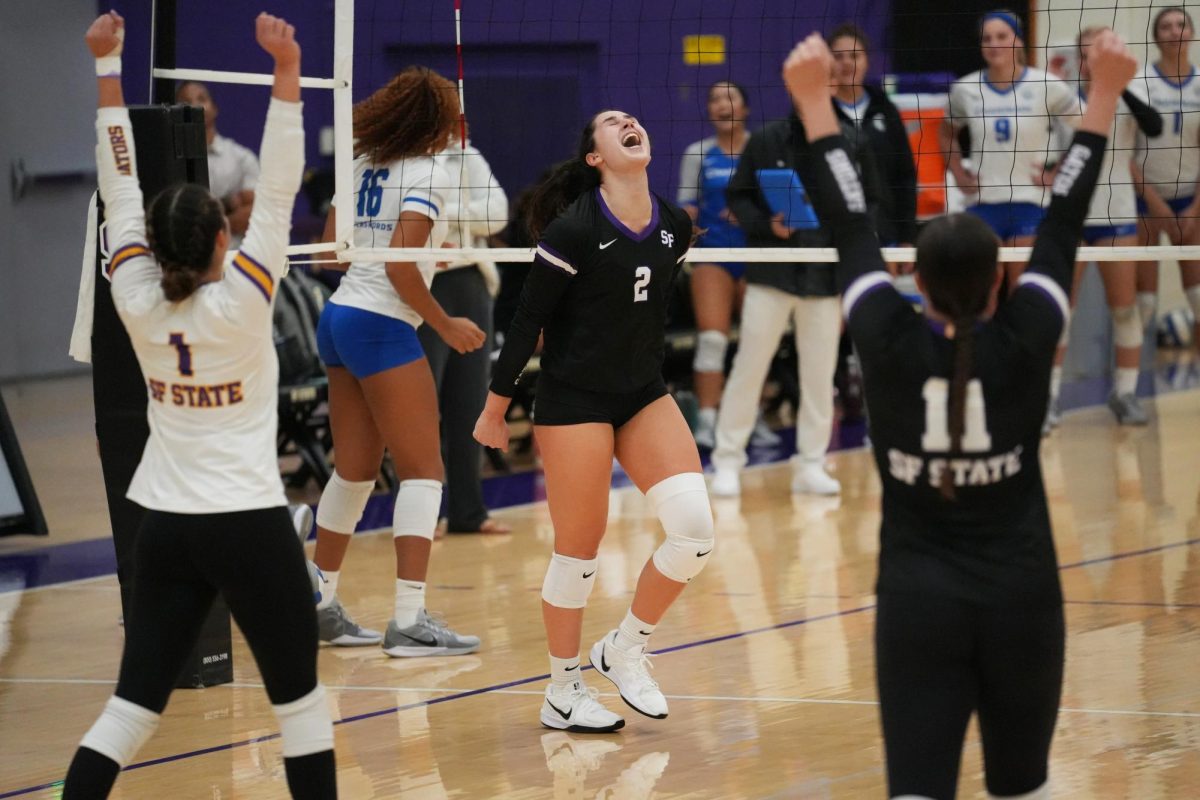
903, 178
840, 202
544, 287
1149, 121
742, 194
1058, 235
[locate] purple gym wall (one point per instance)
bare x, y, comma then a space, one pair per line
535, 69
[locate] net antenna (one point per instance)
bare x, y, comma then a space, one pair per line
163, 73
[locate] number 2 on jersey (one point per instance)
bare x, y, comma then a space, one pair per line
1003, 129
640, 293
370, 193
936, 438
185, 354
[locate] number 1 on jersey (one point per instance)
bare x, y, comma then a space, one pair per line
936, 438
640, 293
185, 354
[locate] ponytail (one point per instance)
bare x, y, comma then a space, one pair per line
964, 360
563, 185
181, 228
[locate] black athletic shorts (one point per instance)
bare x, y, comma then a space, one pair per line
937, 661
558, 403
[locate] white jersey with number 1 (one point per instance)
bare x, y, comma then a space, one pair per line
1012, 131
209, 361
1171, 161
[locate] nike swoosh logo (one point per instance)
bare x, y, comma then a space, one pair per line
702, 555
589, 574
568, 669
603, 663
564, 714
418, 638
645, 633
606, 244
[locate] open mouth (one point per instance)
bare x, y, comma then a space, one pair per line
631, 139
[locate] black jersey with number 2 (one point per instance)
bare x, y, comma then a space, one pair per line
992, 544
599, 291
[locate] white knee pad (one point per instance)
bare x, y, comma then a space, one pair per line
305, 725
342, 504
1147, 303
1127, 328
121, 730
681, 503
417, 505
1193, 296
569, 581
710, 351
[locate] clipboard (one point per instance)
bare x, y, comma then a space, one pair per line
785, 194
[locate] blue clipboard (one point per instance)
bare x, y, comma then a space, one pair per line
785, 194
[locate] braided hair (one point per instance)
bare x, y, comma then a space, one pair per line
956, 261
182, 226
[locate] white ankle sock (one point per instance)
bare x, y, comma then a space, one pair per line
1055, 381
1126, 380
410, 598
707, 416
564, 671
328, 589
633, 632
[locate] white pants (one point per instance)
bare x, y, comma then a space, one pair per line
765, 315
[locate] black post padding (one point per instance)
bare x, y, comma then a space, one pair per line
162, 51
165, 138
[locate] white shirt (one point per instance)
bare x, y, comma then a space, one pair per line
486, 212
1012, 131
382, 193
209, 361
1171, 161
231, 167
1113, 202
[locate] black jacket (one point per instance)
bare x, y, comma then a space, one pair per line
782, 144
887, 139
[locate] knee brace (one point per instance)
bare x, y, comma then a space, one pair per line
569, 581
1193, 296
305, 726
342, 504
121, 730
1147, 303
710, 351
681, 503
1127, 329
417, 505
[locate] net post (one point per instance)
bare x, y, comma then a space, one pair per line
343, 122
162, 49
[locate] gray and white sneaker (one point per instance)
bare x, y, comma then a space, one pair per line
1053, 417
1128, 409
429, 636
335, 627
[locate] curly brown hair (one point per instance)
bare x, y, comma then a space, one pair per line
412, 115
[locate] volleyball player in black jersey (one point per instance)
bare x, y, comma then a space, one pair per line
969, 612
608, 252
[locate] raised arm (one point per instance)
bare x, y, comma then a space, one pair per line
1112, 67
838, 195
262, 258
116, 167
1149, 121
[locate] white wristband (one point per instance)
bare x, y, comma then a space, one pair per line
108, 67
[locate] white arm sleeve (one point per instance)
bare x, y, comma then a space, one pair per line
262, 259
487, 203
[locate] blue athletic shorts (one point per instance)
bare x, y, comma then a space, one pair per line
736, 271
1177, 205
1010, 220
364, 342
1095, 233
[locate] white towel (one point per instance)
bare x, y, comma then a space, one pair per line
81, 334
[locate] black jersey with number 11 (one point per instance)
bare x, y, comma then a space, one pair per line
599, 291
993, 542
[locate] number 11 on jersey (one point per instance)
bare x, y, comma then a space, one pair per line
936, 438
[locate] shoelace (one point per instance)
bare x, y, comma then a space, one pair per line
642, 665
437, 622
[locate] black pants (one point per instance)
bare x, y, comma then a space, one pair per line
254, 559
939, 660
462, 383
